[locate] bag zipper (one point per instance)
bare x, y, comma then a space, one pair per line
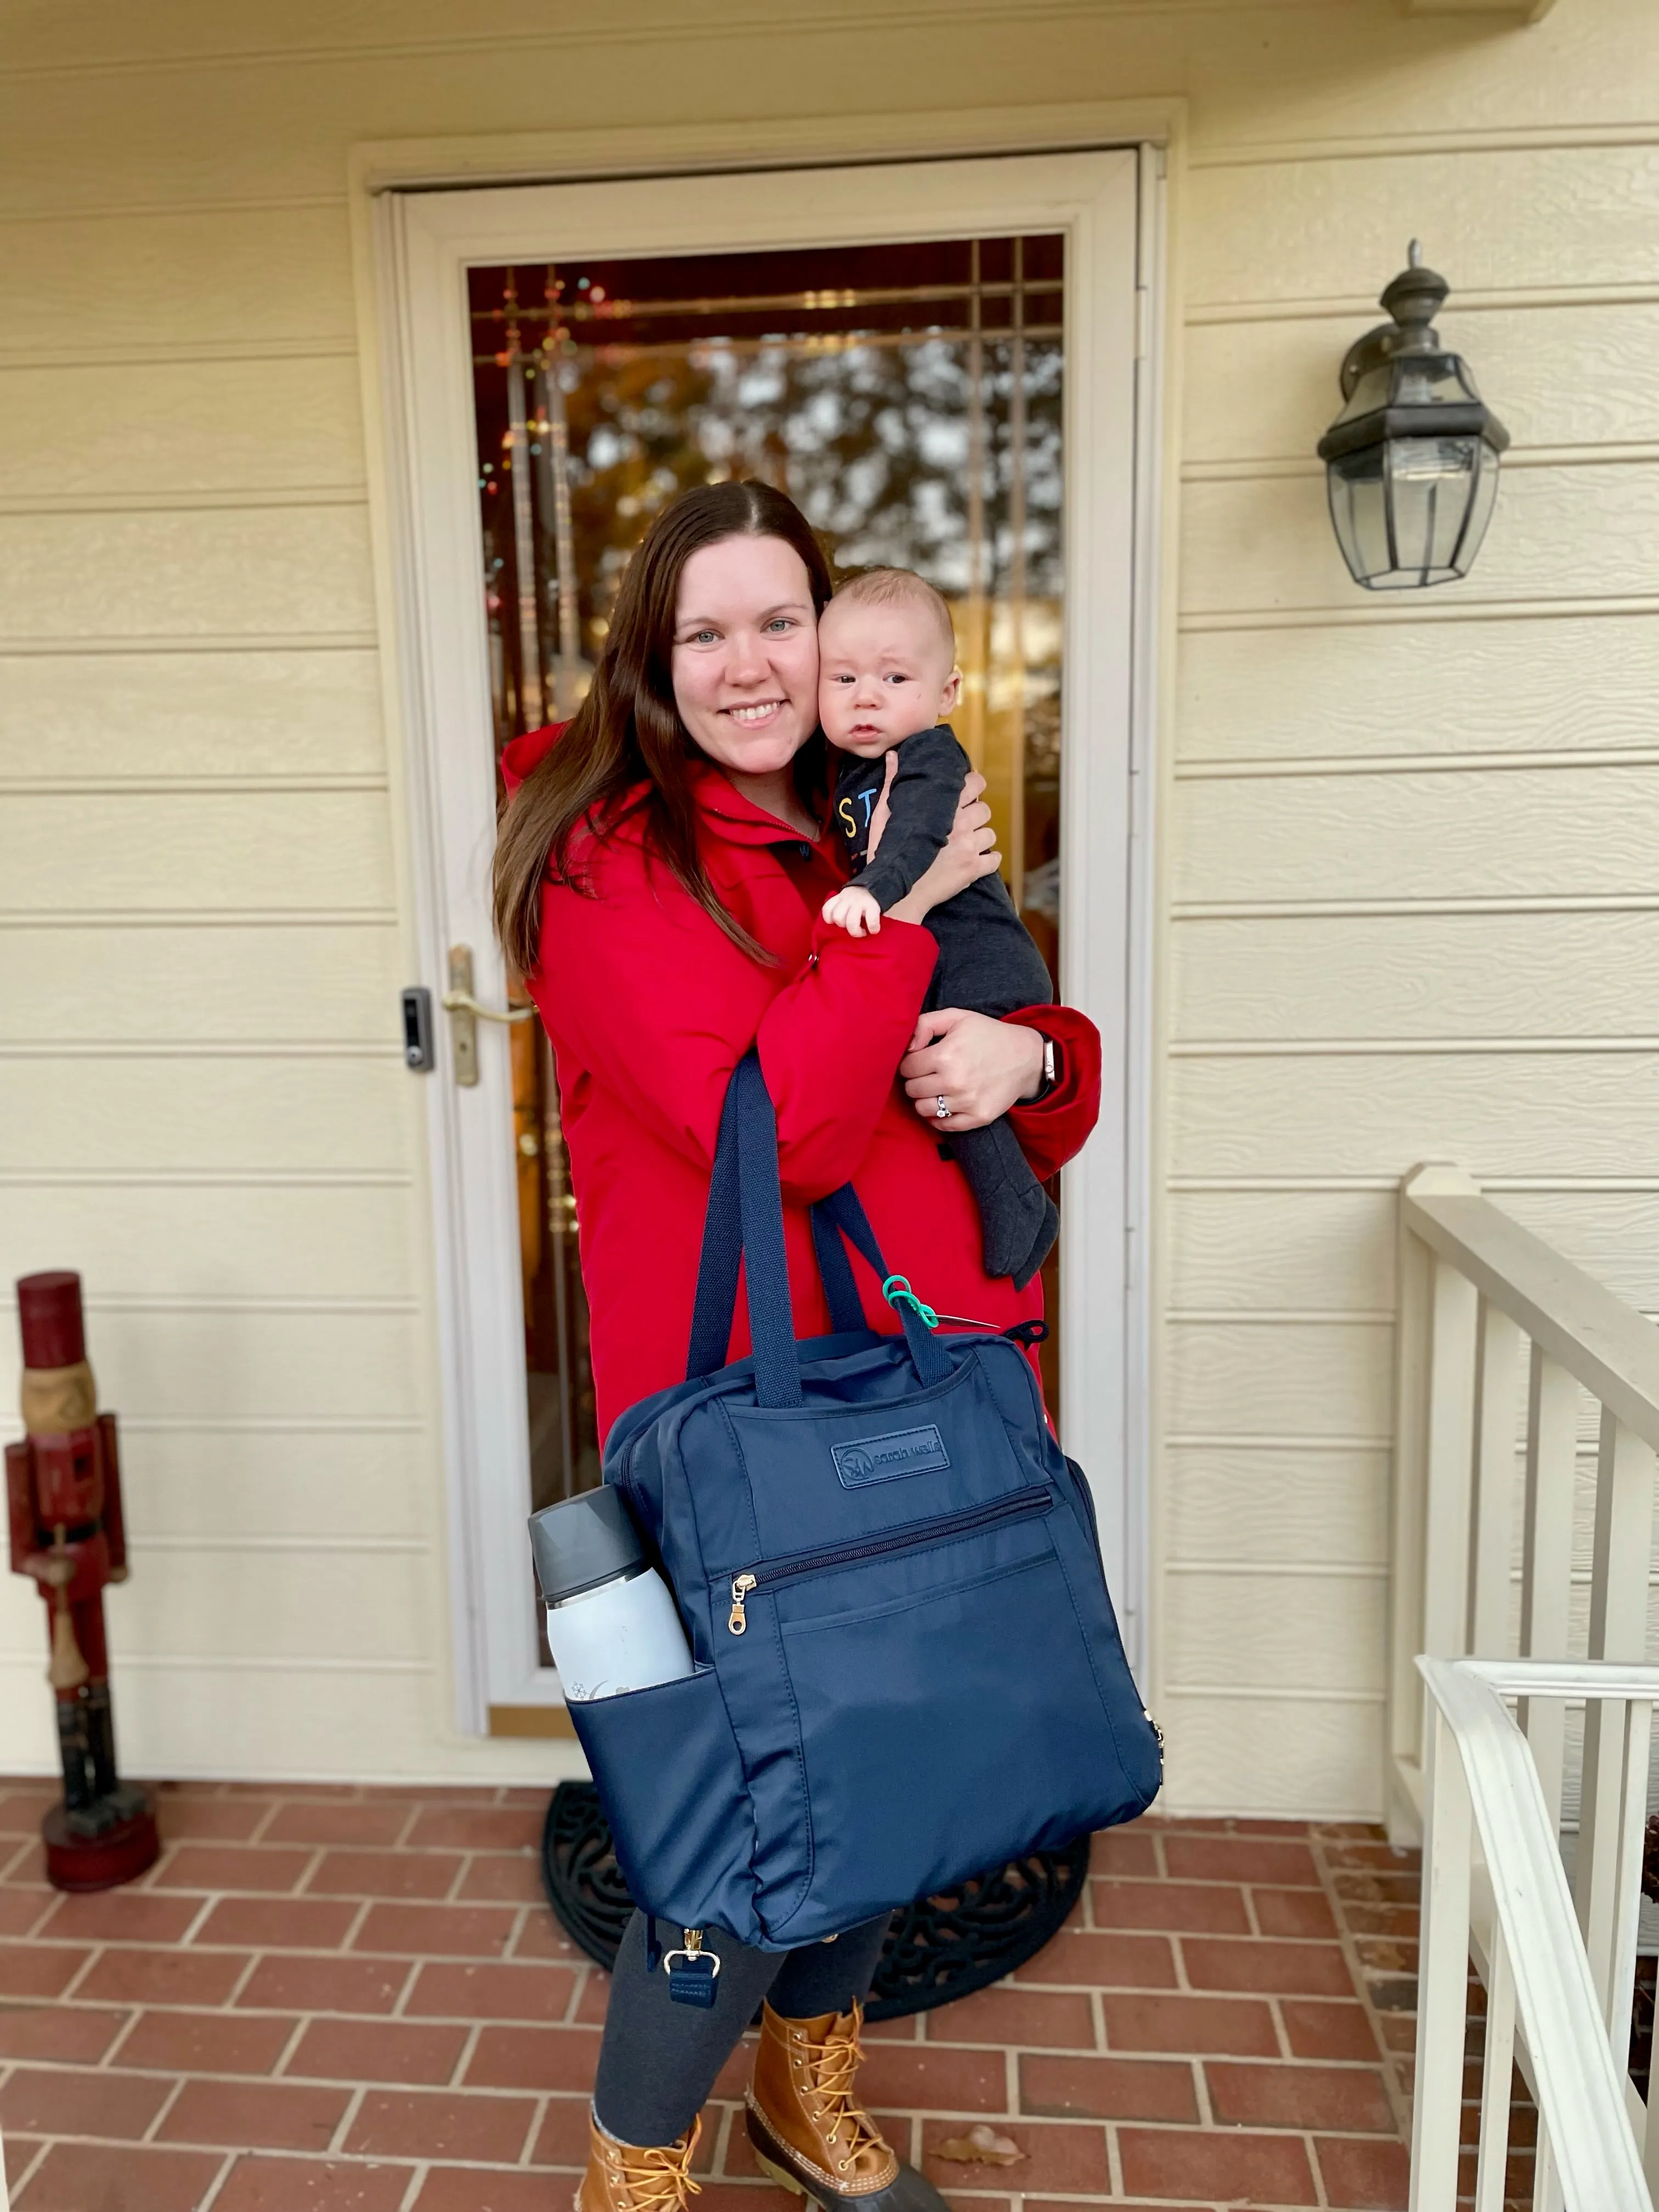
917, 1537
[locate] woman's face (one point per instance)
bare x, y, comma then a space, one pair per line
745, 658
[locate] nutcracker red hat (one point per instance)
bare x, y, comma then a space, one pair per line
49, 1309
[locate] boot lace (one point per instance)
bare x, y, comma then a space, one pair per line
835, 2074
659, 2180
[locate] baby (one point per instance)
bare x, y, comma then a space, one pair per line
887, 678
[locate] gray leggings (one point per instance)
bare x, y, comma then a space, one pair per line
658, 2060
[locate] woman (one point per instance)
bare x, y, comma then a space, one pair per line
659, 879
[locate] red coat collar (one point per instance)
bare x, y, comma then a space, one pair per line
726, 812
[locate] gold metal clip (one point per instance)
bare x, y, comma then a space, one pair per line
692, 1940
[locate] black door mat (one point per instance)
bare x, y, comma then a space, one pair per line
939, 1949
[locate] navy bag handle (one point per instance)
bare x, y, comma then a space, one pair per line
835, 1272
744, 1223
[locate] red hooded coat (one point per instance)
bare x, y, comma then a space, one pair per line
650, 1006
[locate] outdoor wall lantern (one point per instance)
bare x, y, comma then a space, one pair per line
1411, 460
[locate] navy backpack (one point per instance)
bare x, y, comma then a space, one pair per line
906, 1665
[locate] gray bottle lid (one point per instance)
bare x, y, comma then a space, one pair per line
583, 1541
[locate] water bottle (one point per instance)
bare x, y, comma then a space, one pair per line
611, 1624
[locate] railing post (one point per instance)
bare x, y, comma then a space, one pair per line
1546, 1557
1497, 2069
1637, 1740
1651, 2132
1613, 1799
1448, 1484
1416, 1269
1546, 2181
1444, 1971
1492, 1555
1406, 1746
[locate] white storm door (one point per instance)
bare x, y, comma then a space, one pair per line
477, 660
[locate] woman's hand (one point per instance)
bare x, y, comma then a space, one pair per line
968, 852
978, 1068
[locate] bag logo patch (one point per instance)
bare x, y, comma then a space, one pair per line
880, 1459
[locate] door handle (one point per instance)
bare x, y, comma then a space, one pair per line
465, 1013
458, 1002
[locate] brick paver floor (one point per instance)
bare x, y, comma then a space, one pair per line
355, 2001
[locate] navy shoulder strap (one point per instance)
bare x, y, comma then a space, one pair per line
744, 1224
722, 1254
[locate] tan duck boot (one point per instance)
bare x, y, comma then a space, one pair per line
809, 2131
620, 2179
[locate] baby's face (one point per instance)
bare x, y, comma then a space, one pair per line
884, 672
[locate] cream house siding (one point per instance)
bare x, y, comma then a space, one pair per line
1405, 899
1409, 873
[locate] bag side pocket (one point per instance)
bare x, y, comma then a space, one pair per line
669, 1776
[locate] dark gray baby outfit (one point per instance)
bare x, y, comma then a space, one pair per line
987, 961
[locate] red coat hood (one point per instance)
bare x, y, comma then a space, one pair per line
724, 811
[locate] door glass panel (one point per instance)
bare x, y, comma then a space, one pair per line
908, 397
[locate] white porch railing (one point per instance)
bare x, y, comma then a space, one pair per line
1473, 1282
1480, 1478
1557, 2000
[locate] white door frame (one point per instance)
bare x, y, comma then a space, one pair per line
1107, 203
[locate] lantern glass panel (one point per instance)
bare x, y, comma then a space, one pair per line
1431, 487
1374, 390
1485, 496
1360, 512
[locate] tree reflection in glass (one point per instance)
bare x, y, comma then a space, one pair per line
909, 397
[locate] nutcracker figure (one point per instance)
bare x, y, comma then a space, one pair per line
64, 1492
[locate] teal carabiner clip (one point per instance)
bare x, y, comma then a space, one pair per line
896, 1287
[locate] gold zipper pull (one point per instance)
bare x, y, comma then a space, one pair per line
741, 1586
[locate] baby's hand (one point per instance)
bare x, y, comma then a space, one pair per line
854, 911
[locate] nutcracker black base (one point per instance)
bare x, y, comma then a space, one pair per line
104, 1844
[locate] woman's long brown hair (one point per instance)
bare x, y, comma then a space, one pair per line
627, 730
